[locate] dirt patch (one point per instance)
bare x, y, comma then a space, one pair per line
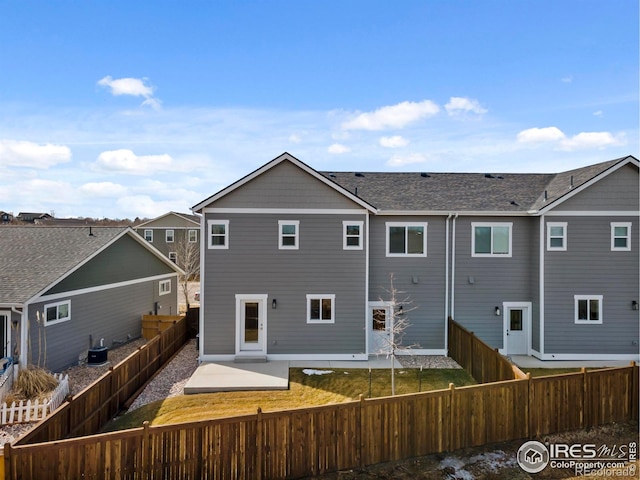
491, 462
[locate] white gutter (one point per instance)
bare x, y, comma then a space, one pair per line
453, 265
446, 284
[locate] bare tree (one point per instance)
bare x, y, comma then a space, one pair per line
397, 327
188, 259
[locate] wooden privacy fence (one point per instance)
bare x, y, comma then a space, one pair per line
88, 411
311, 441
485, 364
152, 325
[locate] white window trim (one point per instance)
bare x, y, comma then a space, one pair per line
321, 297
588, 297
346, 224
150, 232
175, 257
226, 234
195, 235
170, 232
56, 305
627, 236
509, 225
164, 287
563, 248
406, 224
296, 237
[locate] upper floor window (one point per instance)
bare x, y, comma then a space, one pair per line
620, 236
148, 235
218, 234
557, 236
193, 236
588, 308
406, 239
491, 239
352, 235
57, 312
288, 233
321, 308
165, 287
173, 256
169, 236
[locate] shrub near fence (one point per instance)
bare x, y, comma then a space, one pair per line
88, 411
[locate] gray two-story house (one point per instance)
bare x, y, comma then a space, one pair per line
297, 264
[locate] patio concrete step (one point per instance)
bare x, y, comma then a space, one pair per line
250, 359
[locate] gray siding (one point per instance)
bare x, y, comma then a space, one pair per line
113, 314
285, 186
426, 298
123, 261
535, 283
180, 241
168, 221
589, 267
617, 191
496, 280
253, 264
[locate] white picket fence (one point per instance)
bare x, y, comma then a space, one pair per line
6, 381
28, 411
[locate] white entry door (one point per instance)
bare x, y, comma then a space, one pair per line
516, 329
251, 317
379, 327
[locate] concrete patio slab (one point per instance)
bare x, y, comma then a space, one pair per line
375, 361
524, 361
230, 377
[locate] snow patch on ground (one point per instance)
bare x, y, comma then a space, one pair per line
311, 371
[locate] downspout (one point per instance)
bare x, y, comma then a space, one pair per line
453, 265
446, 284
366, 287
541, 282
24, 327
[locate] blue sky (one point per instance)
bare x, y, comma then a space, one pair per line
131, 109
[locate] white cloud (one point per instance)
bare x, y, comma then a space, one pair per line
135, 87
145, 206
295, 138
402, 160
103, 189
338, 148
462, 105
393, 116
393, 142
588, 140
567, 79
598, 113
28, 154
540, 135
125, 161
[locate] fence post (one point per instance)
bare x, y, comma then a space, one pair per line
452, 389
583, 414
146, 450
259, 444
359, 434
8, 473
634, 392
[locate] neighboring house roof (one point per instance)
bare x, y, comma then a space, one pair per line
185, 216
33, 258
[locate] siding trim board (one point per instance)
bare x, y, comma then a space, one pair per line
293, 211
588, 213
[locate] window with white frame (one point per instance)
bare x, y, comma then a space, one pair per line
557, 236
321, 308
620, 236
588, 309
173, 256
193, 236
406, 239
491, 239
57, 312
352, 235
288, 234
218, 234
148, 235
169, 236
165, 287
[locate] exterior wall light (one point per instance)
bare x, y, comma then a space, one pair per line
497, 311
634, 305
274, 304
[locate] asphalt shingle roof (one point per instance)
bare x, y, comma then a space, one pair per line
33, 257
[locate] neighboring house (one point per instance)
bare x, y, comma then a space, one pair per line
5, 217
296, 263
64, 290
31, 217
176, 235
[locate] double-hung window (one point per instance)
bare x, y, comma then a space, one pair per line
406, 239
173, 256
588, 309
165, 287
148, 235
491, 239
170, 236
218, 234
288, 234
57, 312
193, 236
557, 236
620, 236
321, 308
352, 235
